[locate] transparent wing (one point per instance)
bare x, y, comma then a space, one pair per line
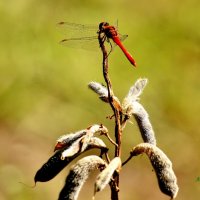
83, 36
87, 43
122, 37
72, 30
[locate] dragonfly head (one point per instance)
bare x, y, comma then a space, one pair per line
102, 24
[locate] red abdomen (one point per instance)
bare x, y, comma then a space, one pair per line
117, 40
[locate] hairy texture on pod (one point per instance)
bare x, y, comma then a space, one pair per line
144, 123
78, 142
163, 168
72, 150
102, 91
78, 147
66, 140
105, 176
78, 175
61, 159
97, 142
98, 88
137, 89
134, 93
96, 128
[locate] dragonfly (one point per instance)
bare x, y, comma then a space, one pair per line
86, 36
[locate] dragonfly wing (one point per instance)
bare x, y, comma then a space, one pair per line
77, 30
122, 37
77, 26
87, 43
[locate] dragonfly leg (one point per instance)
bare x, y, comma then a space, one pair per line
111, 47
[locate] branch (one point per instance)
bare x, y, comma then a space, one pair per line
117, 113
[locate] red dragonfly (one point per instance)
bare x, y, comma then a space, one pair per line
84, 35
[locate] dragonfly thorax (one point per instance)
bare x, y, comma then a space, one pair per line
109, 31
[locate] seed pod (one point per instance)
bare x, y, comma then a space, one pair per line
78, 147
98, 88
52, 167
96, 128
134, 93
73, 149
102, 91
66, 140
104, 99
78, 175
143, 122
96, 143
105, 176
91, 130
163, 168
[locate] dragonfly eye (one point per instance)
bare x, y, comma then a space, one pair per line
102, 24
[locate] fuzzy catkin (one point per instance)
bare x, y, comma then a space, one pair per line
163, 168
78, 175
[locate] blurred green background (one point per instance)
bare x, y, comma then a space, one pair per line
44, 94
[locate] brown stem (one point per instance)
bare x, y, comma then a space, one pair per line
117, 113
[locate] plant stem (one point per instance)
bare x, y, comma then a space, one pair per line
117, 113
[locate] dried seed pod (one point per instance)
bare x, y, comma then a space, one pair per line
102, 91
95, 142
52, 167
82, 145
78, 175
163, 168
96, 128
98, 88
104, 99
73, 149
143, 122
91, 130
85, 141
105, 176
134, 93
66, 140
72, 141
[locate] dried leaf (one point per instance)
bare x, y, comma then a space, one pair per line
105, 176
163, 168
78, 175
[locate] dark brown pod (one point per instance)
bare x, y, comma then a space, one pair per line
52, 167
